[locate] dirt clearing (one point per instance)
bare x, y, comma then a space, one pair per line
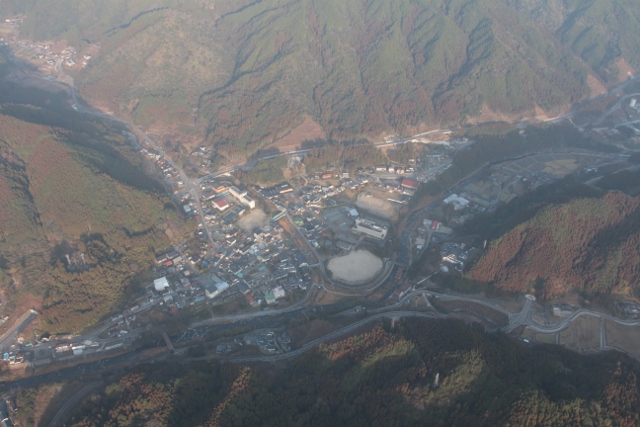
597, 88
255, 218
625, 338
377, 206
327, 298
357, 267
625, 70
308, 130
582, 334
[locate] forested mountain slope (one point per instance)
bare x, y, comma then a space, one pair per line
585, 245
242, 73
72, 184
435, 373
598, 31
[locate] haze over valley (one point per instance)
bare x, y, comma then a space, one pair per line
306, 212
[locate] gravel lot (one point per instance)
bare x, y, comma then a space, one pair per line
356, 267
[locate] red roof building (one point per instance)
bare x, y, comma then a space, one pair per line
409, 183
220, 204
251, 300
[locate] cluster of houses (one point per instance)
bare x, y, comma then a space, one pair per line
202, 157
20, 352
14, 22
169, 172
396, 170
433, 165
263, 266
38, 51
70, 349
306, 205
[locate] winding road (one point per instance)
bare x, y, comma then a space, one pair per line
71, 404
333, 335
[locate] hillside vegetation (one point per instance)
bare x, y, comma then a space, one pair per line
585, 245
383, 378
243, 73
70, 184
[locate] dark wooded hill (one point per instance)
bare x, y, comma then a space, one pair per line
71, 184
382, 378
587, 244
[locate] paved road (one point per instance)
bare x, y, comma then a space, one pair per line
614, 108
11, 335
522, 316
71, 403
332, 335
566, 322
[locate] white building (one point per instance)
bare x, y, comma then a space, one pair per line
278, 292
370, 228
161, 284
242, 197
457, 201
214, 290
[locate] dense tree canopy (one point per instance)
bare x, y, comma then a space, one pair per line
586, 244
385, 378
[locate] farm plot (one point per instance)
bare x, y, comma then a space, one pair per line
582, 334
625, 338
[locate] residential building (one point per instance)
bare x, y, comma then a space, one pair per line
208, 194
